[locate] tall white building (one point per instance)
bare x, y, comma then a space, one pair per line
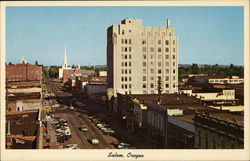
138, 56
64, 66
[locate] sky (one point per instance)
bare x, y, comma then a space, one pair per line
207, 35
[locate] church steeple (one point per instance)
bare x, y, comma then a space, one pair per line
65, 63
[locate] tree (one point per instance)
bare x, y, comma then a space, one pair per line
45, 74
10, 63
53, 72
195, 69
159, 85
36, 63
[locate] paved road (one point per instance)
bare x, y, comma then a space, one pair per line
81, 137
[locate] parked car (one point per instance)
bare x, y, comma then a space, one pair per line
123, 146
95, 141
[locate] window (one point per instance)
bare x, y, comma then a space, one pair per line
174, 71
151, 49
159, 64
173, 49
122, 41
167, 42
167, 56
144, 86
125, 56
173, 63
143, 42
122, 79
151, 78
126, 86
167, 78
144, 78
129, 63
122, 64
122, 86
159, 71
125, 49
166, 49
144, 92
129, 85
152, 85
144, 49
123, 32
129, 31
152, 71
125, 64
126, 41
173, 77
159, 42
159, 49
144, 56
129, 41
151, 63
122, 49
144, 71
174, 85
152, 92
173, 56
125, 71
167, 85
144, 64
152, 56
130, 49
129, 56
129, 78
129, 71
167, 64
125, 78
122, 71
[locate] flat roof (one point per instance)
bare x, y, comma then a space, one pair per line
21, 112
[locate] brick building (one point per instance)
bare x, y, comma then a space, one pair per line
21, 72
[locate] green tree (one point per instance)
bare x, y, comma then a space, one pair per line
53, 72
45, 74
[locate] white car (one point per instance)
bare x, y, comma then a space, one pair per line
95, 141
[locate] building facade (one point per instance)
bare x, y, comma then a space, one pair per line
138, 57
23, 72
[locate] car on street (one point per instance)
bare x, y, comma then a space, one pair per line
94, 141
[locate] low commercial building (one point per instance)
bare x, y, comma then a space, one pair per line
22, 129
171, 121
226, 80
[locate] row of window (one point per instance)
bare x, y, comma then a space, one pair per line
123, 32
144, 78
126, 86
126, 71
152, 85
126, 41
126, 64
125, 56
126, 49
159, 42
144, 64
125, 79
144, 71
144, 56
159, 49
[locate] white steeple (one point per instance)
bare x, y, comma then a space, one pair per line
23, 61
65, 63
